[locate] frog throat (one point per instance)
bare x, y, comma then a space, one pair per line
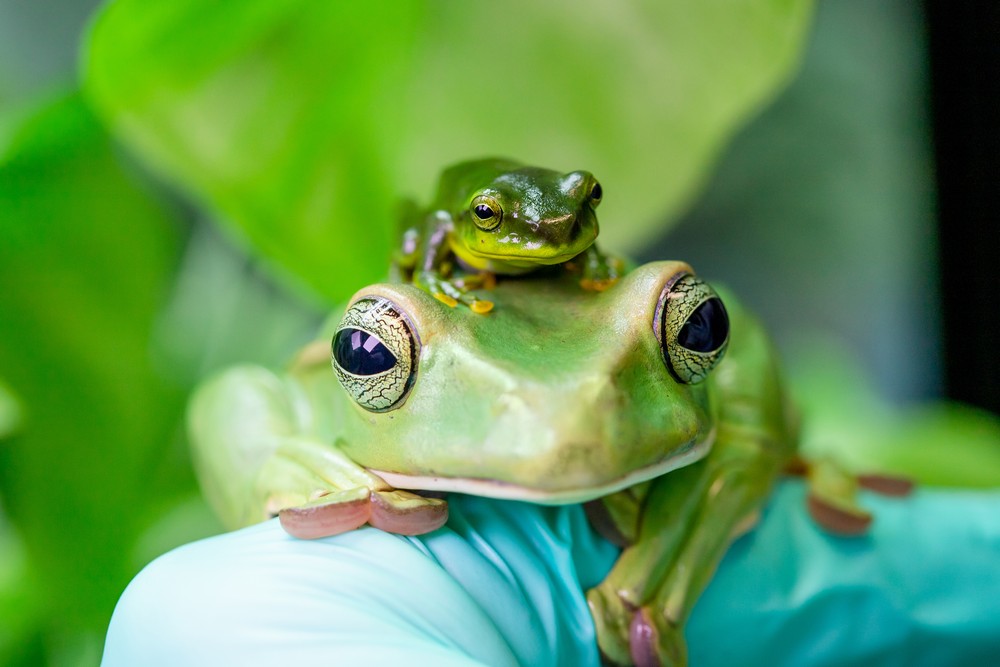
489, 488
505, 263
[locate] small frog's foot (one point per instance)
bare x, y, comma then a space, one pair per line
486, 280
452, 293
597, 285
655, 641
478, 306
611, 621
600, 271
393, 511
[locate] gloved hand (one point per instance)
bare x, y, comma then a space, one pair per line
503, 584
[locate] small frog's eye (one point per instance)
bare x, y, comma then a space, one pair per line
596, 192
374, 354
486, 213
693, 328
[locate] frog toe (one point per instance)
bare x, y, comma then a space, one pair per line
845, 520
611, 622
480, 306
656, 642
446, 299
331, 514
406, 513
597, 284
887, 485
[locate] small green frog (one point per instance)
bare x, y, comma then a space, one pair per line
621, 399
497, 216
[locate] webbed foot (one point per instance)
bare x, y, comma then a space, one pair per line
832, 499
316, 491
655, 641
630, 636
600, 271
399, 512
612, 618
454, 292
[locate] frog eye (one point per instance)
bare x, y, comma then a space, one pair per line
692, 326
374, 354
596, 192
486, 213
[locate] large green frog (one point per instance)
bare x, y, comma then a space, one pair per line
650, 397
650, 400
497, 216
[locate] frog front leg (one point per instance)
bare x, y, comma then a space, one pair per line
433, 264
690, 518
254, 461
600, 270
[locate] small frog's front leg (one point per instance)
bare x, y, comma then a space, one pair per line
435, 266
600, 270
254, 460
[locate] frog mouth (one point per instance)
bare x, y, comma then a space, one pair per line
528, 258
491, 488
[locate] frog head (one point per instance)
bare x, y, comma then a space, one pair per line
504, 213
561, 395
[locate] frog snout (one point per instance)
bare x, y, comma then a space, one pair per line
560, 228
558, 436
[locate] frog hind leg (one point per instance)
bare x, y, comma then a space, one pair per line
832, 498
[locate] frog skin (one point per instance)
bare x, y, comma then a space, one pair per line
497, 216
620, 399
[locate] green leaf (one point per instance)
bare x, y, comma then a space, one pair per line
85, 260
11, 412
844, 418
300, 123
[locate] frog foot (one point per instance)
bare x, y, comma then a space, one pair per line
597, 285
833, 492
452, 293
655, 641
611, 622
600, 271
394, 511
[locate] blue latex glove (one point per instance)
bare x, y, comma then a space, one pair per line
503, 582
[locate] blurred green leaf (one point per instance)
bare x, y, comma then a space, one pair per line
85, 261
225, 310
19, 608
11, 412
844, 418
301, 122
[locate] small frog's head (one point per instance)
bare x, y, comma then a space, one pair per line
509, 215
559, 395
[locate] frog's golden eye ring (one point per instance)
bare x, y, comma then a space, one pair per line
692, 326
486, 213
596, 193
374, 354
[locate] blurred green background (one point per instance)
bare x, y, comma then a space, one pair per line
185, 185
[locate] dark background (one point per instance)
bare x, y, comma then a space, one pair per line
964, 41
